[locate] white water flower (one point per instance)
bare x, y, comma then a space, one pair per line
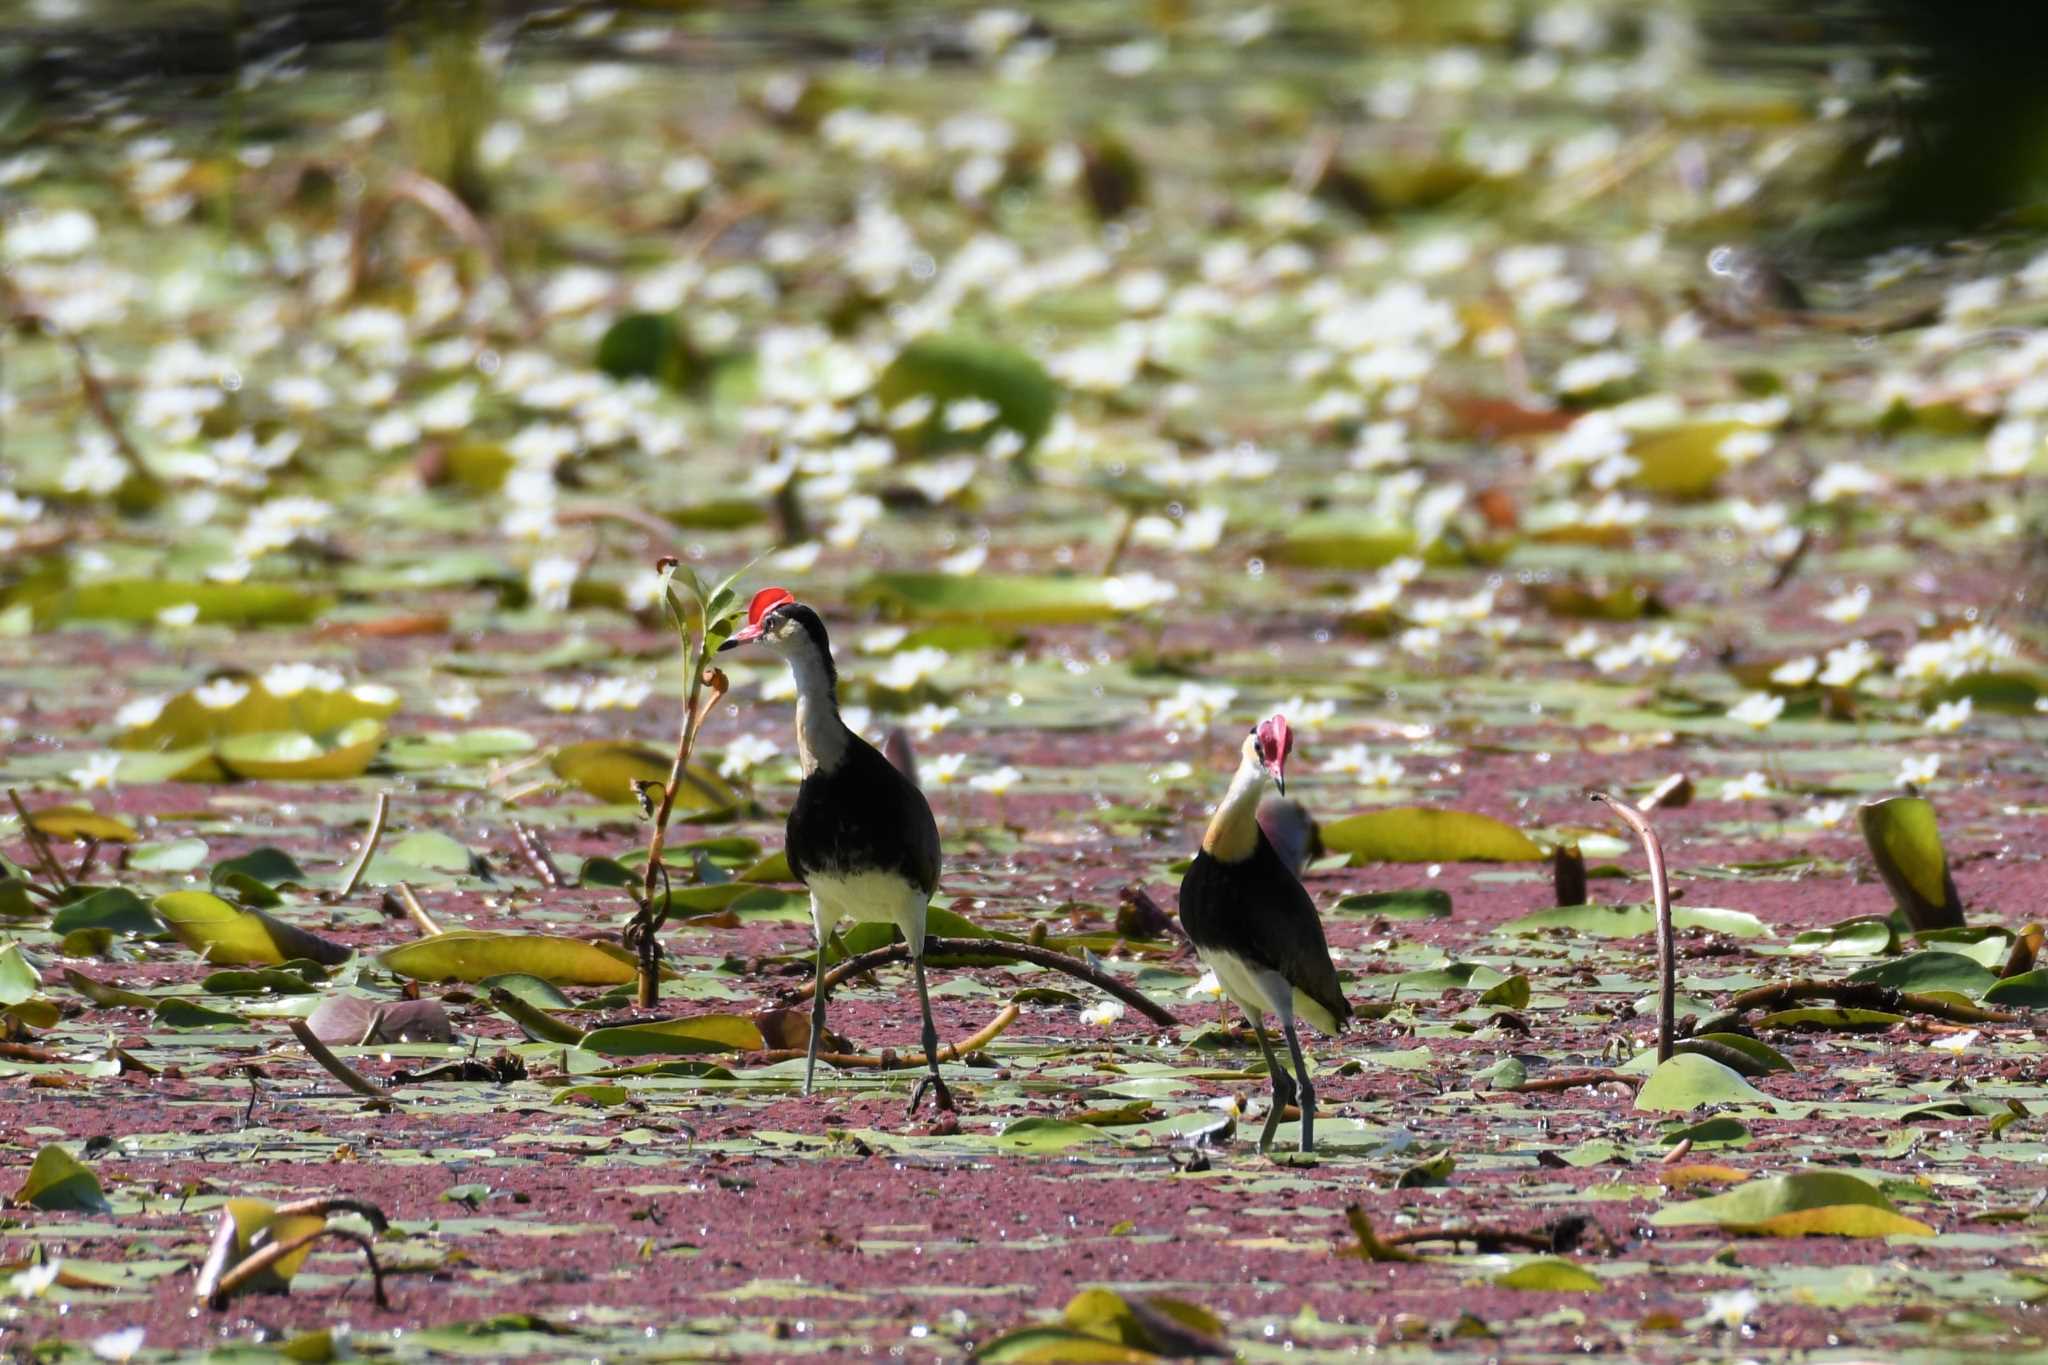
1757, 710
1751, 786
745, 753
1582, 643
458, 703
1849, 608
1949, 716
140, 712
1210, 987
907, 669
97, 772
35, 1281
562, 696
119, 1345
1917, 770
1796, 672
1847, 663
290, 678
220, 694
1243, 1110
1137, 591
1845, 479
998, 782
1104, 1014
928, 720
551, 580
942, 769
178, 616
1826, 814
1193, 705
966, 562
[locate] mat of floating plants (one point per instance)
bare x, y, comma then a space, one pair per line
1109, 378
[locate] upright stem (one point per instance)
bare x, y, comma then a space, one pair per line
1667, 934
647, 923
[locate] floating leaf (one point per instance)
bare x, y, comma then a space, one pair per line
1683, 462
18, 980
608, 770
1153, 1322
258, 981
703, 1033
270, 866
473, 955
1634, 921
2028, 989
1720, 1131
107, 997
1421, 903
254, 1218
595, 1095
1452, 976
1551, 1276
294, 756
1930, 970
1766, 1059
1419, 834
1863, 936
1757, 1200
1512, 993
1839, 1220
1905, 844
59, 1183
1341, 543
82, 822
1009, 599
1686, 1082
139, 600
229, 937
1045, 1135
1058, 1345
647, 346
180, 1013
947, 369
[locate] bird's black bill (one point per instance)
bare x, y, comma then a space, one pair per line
730, 644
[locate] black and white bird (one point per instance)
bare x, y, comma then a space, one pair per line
861, 836
1255, 926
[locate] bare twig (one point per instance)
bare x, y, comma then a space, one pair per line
1667, 936
1570, 1081
950, 1052
533, 850
416, 912
38, 842
667, 534
335, 1067
936, 948
445, 205
362, 862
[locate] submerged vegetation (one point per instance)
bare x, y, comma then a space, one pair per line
1460, 381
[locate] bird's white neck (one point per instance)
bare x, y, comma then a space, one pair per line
1234, 829
820, 735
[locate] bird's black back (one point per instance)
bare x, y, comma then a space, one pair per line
1259, 911
863, 816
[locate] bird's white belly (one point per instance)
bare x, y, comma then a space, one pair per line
1258, 990
868, 896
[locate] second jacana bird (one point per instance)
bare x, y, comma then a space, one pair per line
1255, 926
861, 836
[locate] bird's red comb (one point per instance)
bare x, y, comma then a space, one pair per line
1276, 736
766, 601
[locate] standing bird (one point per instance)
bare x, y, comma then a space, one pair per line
1254, 925
861, 836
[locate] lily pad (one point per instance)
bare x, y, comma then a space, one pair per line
1755, 1201
1419, 834
60, 1182
1007, 599
610, 769
226, 936
1905, 844
1687, 1082
473, 955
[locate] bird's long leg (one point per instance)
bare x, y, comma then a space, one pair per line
1308, 1089
941, 1096
1283, 1084
817, 1018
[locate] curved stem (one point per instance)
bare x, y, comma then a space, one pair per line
1667, 935
362, 862
1013, 952
908, 1061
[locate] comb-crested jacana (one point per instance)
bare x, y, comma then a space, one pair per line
1255, 926
861, 836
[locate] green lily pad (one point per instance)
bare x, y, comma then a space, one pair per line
947, 369
1007, 599
703, 1033
473, 955
2028, 990
59, 1183
115, 908
1419, 834
1420, 903
1687, 1082
1045, 1135
228, 937
1634, 921
1929, 970
1551, 1276
18, 980
1757, 1200
610, 769
294, 756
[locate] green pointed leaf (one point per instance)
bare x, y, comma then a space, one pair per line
1930, 970
1687, 1082
115, 908
1512, 993
473, 955
1419, 834
180, 1013
608, 770
270, 866
2028, 990
228, 937
59, 1182
1822, 1018
1862, 936
703, 1033
1905, 844
1757, 1200
107, 997
1420, 903
82, 822
1722, 1130
1045, 1135
1551, 1276
18, 980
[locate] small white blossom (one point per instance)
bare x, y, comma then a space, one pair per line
1757, 710
1751, 786
220, 694
906, 670
1137, 591
562, 696
458, 703
1104, 1014
1845, 479
745, 753
1849, 608
140, 712
1243, 1110
1194, 705
179, 616
1949, 716
943, 769
996, 783
1847, 663
1826, 814
1796, 672
1917, 770
97, 772
35, 1281
551, 580
928, 720
1210, 987
118, 1346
